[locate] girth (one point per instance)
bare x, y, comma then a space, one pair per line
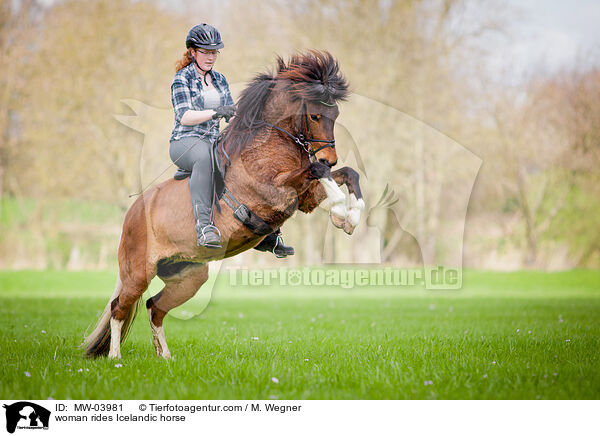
243, 214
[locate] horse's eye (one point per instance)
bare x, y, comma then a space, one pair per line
315, 117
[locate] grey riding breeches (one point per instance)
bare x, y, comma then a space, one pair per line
195, 154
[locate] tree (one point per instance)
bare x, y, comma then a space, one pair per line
88, 58
17, 18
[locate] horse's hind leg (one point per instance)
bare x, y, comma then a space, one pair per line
179, 288
124, 309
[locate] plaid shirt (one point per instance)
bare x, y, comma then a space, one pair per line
186, 94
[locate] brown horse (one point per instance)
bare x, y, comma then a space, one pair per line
280, 148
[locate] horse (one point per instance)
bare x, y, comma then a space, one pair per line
276, 155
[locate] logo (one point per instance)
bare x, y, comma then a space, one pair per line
26, 415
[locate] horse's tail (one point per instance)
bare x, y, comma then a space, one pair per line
97, 343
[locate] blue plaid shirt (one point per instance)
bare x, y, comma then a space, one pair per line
186, 94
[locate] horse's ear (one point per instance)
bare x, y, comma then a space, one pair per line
280, 64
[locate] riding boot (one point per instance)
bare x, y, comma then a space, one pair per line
208, 235
274, 243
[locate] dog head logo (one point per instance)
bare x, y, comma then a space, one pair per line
26, 415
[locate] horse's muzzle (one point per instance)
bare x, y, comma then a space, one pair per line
326, 162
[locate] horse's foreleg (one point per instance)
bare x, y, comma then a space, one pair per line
335, 201
342, 215
317, 194
355, 209
178, 289
303, 180
350, 177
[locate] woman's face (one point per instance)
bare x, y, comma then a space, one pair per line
205, 58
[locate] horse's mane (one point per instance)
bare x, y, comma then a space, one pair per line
313, 76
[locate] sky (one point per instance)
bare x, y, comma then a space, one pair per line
545, 36
550, 35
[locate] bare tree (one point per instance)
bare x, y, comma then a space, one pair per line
17, 18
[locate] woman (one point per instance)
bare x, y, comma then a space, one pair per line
200, 98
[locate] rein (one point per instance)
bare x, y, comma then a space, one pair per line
302, 140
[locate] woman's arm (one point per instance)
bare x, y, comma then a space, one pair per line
182, 104
192, 117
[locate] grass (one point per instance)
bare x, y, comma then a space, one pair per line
525, 335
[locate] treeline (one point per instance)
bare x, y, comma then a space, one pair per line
419, 127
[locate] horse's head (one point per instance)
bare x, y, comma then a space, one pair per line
313, 84
319, 121
300, 98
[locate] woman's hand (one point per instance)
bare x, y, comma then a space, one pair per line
224, 112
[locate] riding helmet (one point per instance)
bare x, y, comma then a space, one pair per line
204, 36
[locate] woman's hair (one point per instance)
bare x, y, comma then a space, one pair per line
185, 60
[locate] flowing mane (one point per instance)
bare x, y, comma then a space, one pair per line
314, 76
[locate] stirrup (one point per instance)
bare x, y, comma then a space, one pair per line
211, 226
202, 238
279, 241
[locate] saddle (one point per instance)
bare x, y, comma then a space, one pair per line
240, 211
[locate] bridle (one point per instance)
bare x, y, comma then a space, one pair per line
302, 138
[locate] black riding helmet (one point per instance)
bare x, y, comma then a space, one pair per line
204, 36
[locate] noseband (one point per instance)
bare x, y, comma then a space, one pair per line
302, 138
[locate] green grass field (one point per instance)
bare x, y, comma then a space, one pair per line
521, 335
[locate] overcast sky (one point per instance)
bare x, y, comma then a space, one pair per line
551, 35
547, 35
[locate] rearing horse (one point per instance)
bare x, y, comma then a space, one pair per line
279, 150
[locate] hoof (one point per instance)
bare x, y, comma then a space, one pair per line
353, 215
348, 228
337, 214
337, 221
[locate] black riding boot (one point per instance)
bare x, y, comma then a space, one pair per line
208, 235
274, 243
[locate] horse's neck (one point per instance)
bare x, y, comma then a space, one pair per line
247, 180
250, 179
